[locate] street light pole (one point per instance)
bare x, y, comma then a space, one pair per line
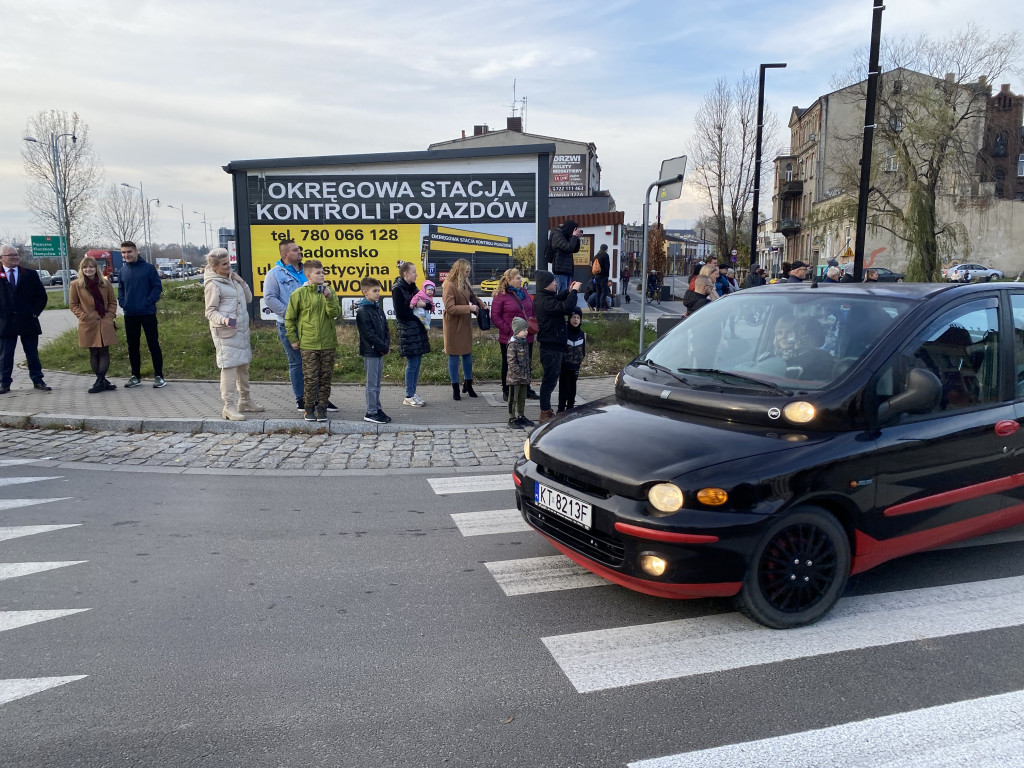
181, 210
62, 243
757, 156
146, 231
206, 234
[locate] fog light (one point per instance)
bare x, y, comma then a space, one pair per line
713, 497
665, 497
526, 448
653, 565
799, 412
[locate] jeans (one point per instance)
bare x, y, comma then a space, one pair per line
412, 374
374, 371
134, 325
624, 286
567, 388
602, 295
563, 283
29, 343
453, 367
294, 363
551, 361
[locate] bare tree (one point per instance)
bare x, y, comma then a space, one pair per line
930, 117
78, 170
119, 215
723, 151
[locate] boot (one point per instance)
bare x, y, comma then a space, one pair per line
245, 402
546, 416
504, 392
231, 413
455, 392
108, 385
228, 385
97, 387
249, 406
467, 387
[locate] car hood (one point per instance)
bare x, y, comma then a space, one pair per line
622, 445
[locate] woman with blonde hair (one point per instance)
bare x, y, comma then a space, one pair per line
460, 304
512, 301
91, 299
227, 297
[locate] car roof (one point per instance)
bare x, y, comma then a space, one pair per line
916, 291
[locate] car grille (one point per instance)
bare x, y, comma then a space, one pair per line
605, 549
574, 482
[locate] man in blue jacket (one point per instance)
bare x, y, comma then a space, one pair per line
138, 291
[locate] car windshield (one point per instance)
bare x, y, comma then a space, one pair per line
777, 341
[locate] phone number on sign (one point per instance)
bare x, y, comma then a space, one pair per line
348, 234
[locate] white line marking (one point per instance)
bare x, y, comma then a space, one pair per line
542, 574
17, 462
13, 570
21, 480
15, 619
472, 483
987, 731
26, 686
15, 503
493, 521
15, 531
611, 658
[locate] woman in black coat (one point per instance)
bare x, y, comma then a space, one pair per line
413, 342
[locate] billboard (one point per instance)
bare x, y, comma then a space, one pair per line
569, 176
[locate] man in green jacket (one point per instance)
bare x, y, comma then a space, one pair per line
309, 325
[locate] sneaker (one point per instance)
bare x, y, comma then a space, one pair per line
376, 418
309, 415
132, 382
418, 400
525, 423
331, 407
513, 423
321, 413
387, 419
109, 386
300, 404
158, 382
410, 401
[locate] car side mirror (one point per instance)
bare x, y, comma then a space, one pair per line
921, 395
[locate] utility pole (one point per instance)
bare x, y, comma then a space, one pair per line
757, 156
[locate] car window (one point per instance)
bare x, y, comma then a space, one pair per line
962, 349
1017, 302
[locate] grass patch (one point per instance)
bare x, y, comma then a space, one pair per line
189, 353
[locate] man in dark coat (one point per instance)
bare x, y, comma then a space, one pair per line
22, 300
565, 241
551, 308
755, 277
605, 262
138, 291
797, 272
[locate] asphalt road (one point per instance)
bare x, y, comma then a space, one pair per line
230, 620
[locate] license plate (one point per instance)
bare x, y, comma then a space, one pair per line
563, 505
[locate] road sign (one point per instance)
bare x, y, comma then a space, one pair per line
45, 247
734, 252
670, 169
733, 259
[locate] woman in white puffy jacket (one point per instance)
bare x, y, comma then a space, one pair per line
226, 296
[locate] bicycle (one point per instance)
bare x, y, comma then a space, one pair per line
653, 294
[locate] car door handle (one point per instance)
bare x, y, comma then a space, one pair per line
1006, 428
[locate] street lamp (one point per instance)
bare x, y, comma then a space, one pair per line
147, 231
181, 210
62, 243
757, 156
207, 235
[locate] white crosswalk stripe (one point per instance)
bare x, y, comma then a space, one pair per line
20, 687
987, 731
444, 486
542, 574
18, 503
611, 658
16, 619
493, 521
18, 462
4, 481
17, 531
13, 570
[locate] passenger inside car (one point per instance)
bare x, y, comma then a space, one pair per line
797, 350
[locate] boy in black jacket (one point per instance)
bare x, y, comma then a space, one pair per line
374, 343
575, 351
551, 309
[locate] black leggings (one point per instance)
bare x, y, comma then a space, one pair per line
99, 359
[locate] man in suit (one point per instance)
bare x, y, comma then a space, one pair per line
22, 300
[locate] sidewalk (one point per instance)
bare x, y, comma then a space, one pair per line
195, 406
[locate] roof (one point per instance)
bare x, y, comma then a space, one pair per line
463, 139
389, 157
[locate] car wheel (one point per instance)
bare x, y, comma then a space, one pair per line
798, 570
988, 278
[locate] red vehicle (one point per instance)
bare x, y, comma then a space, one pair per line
109, 263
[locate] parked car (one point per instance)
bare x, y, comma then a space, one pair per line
45, 277
974, 272
60, 274
884, 275
839, 429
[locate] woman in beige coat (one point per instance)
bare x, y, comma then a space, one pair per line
91, 299
227, 297
460, 304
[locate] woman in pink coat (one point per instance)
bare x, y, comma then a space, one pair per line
510, 301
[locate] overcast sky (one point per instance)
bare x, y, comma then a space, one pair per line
172, 91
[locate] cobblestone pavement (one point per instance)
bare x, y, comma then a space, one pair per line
471, 447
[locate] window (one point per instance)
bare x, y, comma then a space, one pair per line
896, 121
1000, 179
897, 86
1020, 165
789, 171
999, 145
890, 165
1017, 302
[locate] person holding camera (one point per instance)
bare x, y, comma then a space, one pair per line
227, 297
552, 307
565, 241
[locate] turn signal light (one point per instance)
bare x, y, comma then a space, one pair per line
653, 565
665, 497
799, 412
713, 497
526, 449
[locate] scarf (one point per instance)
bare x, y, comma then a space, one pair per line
93, 286
519, 292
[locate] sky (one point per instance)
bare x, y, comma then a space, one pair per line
172, 91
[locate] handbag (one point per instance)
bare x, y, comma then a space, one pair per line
595, 268
483, 319
531, 322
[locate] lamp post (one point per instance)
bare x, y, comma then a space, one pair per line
62, 243
146, 231
181, 210
207, 235
757, 156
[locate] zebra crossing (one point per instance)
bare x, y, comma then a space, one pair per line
12, 689
614, 658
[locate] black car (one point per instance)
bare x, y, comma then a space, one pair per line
786, 437
884, 275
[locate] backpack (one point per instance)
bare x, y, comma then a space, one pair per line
549, 252
595, 268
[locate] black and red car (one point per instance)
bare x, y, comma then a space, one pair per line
786, 437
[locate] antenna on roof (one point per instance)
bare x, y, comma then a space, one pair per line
520, 105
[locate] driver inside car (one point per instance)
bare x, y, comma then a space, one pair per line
797, 350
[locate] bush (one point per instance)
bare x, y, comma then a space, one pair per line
187, 292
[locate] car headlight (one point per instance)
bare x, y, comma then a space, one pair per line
665, 497
799, 412
526, 448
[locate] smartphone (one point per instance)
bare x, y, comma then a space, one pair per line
320, 288
232, 322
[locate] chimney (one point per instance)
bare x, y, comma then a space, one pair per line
480, 130
463, 133
1004, 88
514, 124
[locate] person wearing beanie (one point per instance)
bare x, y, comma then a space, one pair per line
565, 241
604, 264
797, 272
518, 374
575, 351
552, 307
